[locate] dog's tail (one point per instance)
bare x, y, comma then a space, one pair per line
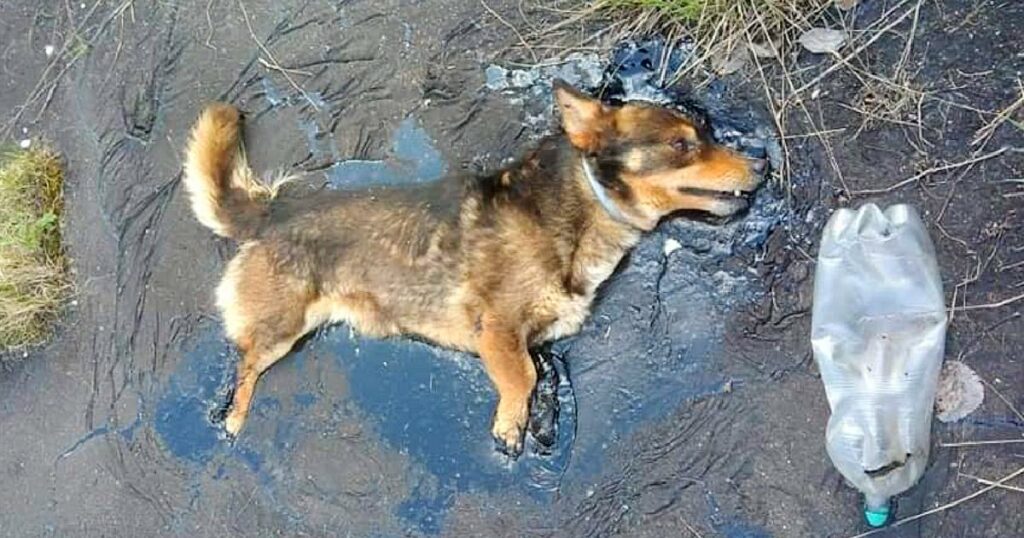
226, 196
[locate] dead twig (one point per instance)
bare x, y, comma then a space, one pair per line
947, 506
44, 81
825, 132
778, 118
982, 443
209, 25
691, 529
1009, 266
997, 304
1006, 401
991, 483
276, 67
522, 41
273, 61
934, 170
988, 130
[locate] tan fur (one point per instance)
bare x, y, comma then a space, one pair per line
515, 259
215, 163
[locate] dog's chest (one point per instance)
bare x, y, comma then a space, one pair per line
569, 313
569, 310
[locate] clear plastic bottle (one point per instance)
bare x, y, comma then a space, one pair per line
878, 333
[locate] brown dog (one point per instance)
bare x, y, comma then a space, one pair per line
490, 265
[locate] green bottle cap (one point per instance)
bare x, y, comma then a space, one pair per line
877, 517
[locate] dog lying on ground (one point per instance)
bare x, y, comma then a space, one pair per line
490, 265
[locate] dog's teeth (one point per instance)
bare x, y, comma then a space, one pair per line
736, 193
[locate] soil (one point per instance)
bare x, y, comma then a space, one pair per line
689, 402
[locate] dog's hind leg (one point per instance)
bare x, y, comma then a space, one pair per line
508, 363
265, 313
255, 360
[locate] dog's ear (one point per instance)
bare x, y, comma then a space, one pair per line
586, 120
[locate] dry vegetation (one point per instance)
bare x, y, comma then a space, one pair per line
33, 280
723, 31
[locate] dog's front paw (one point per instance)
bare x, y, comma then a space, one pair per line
233, 424
509, 425
543, 422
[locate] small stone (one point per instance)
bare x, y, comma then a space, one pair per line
25, 143
671, 245
523, 79
960, 392
48, 50
822, 40
497, 77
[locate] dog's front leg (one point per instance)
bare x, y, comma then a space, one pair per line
503, 351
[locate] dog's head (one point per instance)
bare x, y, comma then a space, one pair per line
655, 160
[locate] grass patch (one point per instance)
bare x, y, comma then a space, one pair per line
721, 29
677, 10
33, 269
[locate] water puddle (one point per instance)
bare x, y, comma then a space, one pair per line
188, 415
412, 159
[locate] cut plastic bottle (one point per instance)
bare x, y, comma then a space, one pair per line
878, 333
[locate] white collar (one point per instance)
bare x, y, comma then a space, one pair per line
603, 199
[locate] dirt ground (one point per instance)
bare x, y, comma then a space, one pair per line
691, 405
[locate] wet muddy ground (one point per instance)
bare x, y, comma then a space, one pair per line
689, 403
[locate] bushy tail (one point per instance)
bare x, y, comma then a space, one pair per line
225, 193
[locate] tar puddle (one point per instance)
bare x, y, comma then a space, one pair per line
652, 344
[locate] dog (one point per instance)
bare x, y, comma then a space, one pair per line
489, 264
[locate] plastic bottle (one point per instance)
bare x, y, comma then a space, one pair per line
878, 333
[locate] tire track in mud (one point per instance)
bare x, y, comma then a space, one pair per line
134, 199
136, 207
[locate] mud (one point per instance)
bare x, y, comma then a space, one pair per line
688, 402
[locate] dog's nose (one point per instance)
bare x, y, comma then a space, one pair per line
755, 151
757, 156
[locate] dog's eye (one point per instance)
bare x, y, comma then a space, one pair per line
680, 144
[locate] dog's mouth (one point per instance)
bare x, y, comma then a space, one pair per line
757, 168
717, 195
722, 203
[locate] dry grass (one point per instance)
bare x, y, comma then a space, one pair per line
720, 29
33, 269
